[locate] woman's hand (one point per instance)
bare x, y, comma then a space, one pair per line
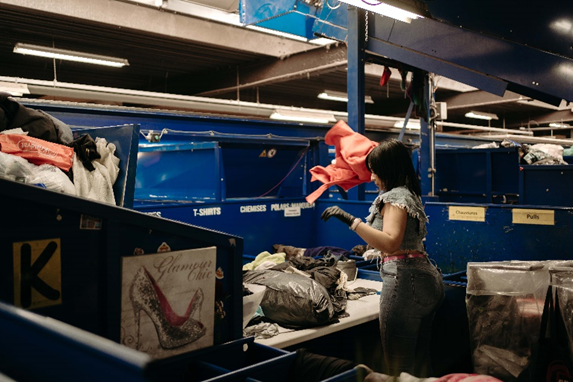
338, 213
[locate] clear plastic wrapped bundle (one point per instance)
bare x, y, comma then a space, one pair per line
562, 282
504, 302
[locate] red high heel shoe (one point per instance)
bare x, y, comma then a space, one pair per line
172, 330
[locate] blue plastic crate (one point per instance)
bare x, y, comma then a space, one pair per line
241, 359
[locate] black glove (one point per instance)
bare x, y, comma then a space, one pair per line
338, 213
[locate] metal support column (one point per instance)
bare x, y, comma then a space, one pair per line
357, 37
427, 143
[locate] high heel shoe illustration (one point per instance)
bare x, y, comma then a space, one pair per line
172, 330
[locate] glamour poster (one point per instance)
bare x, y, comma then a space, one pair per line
167, 301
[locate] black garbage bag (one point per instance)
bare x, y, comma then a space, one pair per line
293, 300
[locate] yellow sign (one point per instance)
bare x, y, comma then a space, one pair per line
536, 217
472, 214
37, 273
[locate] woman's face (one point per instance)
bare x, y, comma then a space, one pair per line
374, 178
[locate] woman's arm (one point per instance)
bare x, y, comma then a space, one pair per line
390, 238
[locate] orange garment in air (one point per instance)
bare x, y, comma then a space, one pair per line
349, 168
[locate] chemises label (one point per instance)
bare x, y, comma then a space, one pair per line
255, 208
37, 273
536, 217
473, 214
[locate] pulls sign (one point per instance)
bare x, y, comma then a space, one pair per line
536, 217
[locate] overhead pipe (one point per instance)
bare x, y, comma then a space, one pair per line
205, 104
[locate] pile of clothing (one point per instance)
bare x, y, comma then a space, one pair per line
303, 291
39, 149
537, 154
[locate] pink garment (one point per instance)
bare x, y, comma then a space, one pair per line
463, 377
349, 169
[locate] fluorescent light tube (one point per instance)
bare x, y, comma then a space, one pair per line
481, 115
558, 125
41, 51
332, 95
302, 116
384, 10
14, 89
155, 3
414, 125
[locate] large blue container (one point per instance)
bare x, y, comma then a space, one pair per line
64, 257
290, 16
506, 232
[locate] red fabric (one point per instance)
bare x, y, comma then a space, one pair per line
463, 377
349, 169
385, 76
37, 151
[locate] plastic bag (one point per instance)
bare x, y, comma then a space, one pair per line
553, 361
52, 178
252, 302
555, 151
293, 300
14, 167
505, 303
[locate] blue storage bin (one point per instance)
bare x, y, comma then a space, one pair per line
83, 246
241, 359
456, 279
546, 185
477, 175
288, 16
347, 376
221, 169
369, 273
38, 348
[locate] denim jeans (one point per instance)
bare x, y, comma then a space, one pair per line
412, 291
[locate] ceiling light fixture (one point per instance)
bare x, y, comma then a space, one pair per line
481, 115
42, 51
154, 3
384, 9
332, 95
14, 89
559, 125
302, 116
414, 125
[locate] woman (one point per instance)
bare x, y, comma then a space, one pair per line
412, 286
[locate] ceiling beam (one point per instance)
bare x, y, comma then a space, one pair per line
314, 62
545, 119
442, 82
141, 18
481, 98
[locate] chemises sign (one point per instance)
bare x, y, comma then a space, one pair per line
289, 209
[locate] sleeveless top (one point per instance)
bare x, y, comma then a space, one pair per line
416, 221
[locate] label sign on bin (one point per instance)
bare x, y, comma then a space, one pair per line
37, 273
474, 214
537, 217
